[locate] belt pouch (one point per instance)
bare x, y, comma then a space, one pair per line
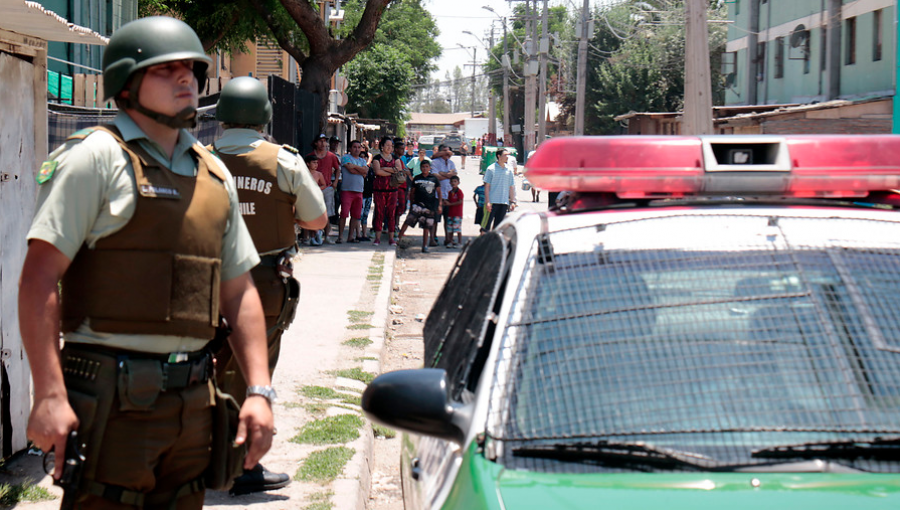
226, 459
140, 382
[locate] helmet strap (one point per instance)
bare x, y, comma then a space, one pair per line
186, 118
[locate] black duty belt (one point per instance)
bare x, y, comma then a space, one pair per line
179, 369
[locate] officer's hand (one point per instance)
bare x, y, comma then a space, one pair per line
257, 424
51, 420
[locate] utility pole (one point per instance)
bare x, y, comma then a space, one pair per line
492, 105
581, 84
507, 134
542, 93
474, 65
530, 78
697, 119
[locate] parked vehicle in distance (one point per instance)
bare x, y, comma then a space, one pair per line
430, 142
454, 141
702, 323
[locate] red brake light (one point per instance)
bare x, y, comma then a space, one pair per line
646, 166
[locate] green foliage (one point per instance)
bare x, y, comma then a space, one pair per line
385, 432
320, 501
319, 392
360, 326
636, 62
325, 465
12, 494
381, 79
358, 342
358, 315
342, 428
355, 373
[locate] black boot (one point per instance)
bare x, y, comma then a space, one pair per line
258, 479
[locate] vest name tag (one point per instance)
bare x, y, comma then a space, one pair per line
151, 191
248, 208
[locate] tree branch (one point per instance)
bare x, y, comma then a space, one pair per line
208, 45
312, 25
363, 34
279, 32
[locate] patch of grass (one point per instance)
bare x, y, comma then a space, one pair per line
358, 315
319, 392
12, 494
342, 428
291, 405
325, 465
320, 501
360, 326
378, 258
316, 409
366, 358
355, 373
385, 432
358, 342
355, 400
373, 277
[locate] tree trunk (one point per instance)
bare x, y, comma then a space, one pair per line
316, 78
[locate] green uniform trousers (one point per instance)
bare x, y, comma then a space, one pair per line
229, 377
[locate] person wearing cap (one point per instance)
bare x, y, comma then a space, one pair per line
330, 167
142, 227
334, 146
276, 190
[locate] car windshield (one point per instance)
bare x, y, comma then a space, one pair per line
716, 335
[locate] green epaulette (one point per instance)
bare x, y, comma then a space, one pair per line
290, 149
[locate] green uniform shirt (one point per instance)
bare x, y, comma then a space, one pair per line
293, 175
92, 195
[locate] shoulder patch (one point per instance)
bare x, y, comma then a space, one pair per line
81, 133
290, 149
48, 168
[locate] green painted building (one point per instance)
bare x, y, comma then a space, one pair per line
806, 51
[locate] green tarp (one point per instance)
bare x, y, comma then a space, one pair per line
489, 155
60, 87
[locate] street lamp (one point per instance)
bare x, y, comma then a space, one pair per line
507, 135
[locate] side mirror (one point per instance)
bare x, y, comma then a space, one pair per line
416, 401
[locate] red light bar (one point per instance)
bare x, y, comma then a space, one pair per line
645, 166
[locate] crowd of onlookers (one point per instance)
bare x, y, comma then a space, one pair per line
386, 180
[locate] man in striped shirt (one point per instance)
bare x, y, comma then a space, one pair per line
500, 190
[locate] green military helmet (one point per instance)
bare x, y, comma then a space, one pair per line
244, 100
147, 42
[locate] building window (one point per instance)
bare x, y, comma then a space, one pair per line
737, 7
851, 41
779, 57
823, 49
761, 61
876, 35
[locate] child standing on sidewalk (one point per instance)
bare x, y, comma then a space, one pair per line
454, 204
312, 163
478, 196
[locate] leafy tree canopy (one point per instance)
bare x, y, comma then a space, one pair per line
380, 82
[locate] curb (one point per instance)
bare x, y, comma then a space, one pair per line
351, 491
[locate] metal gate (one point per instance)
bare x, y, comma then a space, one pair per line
295, 116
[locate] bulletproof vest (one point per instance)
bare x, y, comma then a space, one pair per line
269, 215
267, 211
159, 274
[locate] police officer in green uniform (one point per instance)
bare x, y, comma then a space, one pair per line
276, 190
143, 228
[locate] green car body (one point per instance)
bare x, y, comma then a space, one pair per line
482, 484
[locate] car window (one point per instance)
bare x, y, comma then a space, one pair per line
455, 328
719, 349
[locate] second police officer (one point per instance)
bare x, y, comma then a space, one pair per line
276, 190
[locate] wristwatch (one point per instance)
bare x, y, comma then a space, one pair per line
264, 391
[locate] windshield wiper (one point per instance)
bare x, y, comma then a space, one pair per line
616, 453
879, 448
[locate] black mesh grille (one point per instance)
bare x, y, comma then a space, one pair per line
717, 336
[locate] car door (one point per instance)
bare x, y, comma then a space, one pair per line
457, 337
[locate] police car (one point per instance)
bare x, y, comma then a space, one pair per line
707, 322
